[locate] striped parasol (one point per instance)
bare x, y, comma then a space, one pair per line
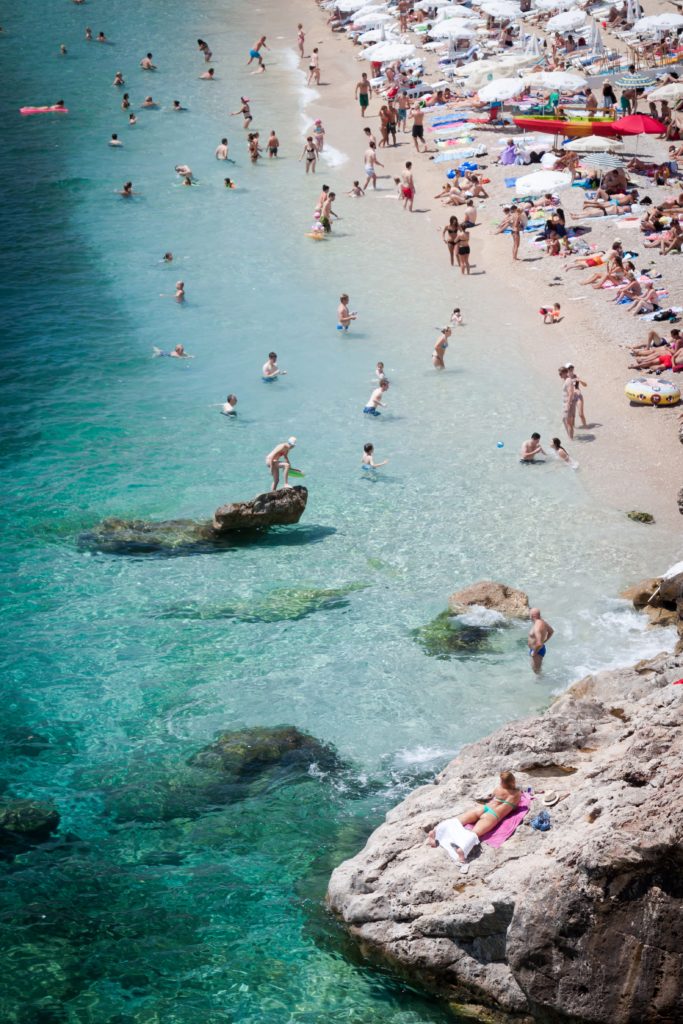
635, 80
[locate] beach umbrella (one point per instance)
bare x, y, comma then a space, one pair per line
566, 22
671, 92
373, 20
455, 28
455, 11
347, 6
502, 89
659, 23
389, 50
638, 124
562, 80
593, 144
438, 44
554, 5
533, 47
596, 44
635, 80
426, 5
542, 181
601, 162
501, 9
377, 35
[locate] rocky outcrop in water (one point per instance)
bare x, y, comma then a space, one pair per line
284, 507
514, 604
660, 597
243, 754
185, 536
580, 923
25, 823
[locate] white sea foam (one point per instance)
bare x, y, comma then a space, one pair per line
422, 755
480, 616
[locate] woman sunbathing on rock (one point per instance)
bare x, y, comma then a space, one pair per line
483, 817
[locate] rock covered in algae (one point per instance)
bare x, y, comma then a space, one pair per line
444, 637
245, 753
285, 605
640, 517
25, 823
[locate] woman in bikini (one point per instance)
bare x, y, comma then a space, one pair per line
463, 248
440, 349
449, 235
485, 817
310, 151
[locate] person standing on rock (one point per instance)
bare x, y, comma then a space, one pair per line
279, 458
539, 634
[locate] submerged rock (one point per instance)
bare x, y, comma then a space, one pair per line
581, 923
514, 604
186, 536
25, 823
287, 605
243, 754
284, 507
445, 637
640, 517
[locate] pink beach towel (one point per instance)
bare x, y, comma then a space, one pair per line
508, 826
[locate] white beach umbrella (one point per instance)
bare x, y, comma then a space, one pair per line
502, 89
373, 20
594, 144
501, 9
378, 35
454, 28
542, 181
596, 44
426, 5
555, 5
671, 92
566, 22
437, 45
388, 51
533, 46
455, 11
658, 23
562, 80
347, 6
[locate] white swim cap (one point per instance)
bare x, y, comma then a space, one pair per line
291, 441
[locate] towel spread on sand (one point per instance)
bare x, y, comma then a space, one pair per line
508, 826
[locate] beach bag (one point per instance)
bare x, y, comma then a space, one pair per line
542, 822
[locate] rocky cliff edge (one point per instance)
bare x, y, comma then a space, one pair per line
580, 923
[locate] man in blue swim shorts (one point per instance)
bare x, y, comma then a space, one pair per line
539, 634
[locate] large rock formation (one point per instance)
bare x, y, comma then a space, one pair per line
185, 536
274, 508
514, 604
581, 923
660, 597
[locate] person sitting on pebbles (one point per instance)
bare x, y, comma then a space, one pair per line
459, 841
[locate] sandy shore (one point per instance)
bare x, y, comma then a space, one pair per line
630, 456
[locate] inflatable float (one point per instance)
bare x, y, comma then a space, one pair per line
649, 391
570, 127
43, 110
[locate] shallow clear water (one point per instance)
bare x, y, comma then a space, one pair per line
126, 666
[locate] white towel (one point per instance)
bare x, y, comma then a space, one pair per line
452, 833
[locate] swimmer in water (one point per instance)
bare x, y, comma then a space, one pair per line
456, 317
146, 63
183, 170
367, 461
356, 191
344, 317
279, 458
440, 349
115, 140
531, 448
62, 49
118, 79
127, 191
273, 144
179, 294
245, 111
270, 369
222, 150
255, 53
149, 104
208, 76
229, 183
101, 38
167, 258
375, 399
177, 106
177, 353
187, 180
132, 119
228, 408
88, 35
204, 48
563, 454
125, 101
379, 372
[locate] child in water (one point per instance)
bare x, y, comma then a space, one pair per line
368, 461
563, 454
356, 191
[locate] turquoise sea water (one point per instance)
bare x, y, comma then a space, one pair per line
125, 666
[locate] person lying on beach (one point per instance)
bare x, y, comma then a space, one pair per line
655, 340
485, 816
531, 448
667, 357
177, 353
594, 259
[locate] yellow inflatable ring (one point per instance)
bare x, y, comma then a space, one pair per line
652, 391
